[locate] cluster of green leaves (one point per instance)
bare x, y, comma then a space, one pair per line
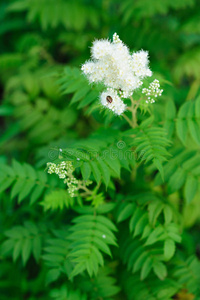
133, 233
150, 241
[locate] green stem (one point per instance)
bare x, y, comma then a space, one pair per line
133, 109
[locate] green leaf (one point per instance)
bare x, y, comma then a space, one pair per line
37, 192
160, 269
177, 180
17, 249
146, 268
86, 170
113, 163
169, 249
26, 250
140, 261
170, 115
194, 127
167, 214
104, 171
155, 209
19, 170
6, 184
147, 122
190, 189
159, 166
37, 247
181, 124
95, 170
126, 212
26, 190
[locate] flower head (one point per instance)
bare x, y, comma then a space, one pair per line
117, 69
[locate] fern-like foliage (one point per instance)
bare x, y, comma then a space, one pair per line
22, 241
41, 121
150, 143
143, 8
100, 158
65, 293
188, 121
151, 243
151, 289
73, 81
90, 236
57, 199
183, 170
103, 285
56, 256
187, 64
25, 181
72, 15
187, 274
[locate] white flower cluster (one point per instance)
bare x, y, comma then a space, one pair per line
120, 71
153, 91
63, 170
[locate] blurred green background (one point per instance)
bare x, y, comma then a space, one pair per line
38, 38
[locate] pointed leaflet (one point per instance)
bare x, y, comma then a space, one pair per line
86, 170
170, 114
146, 268
26, 251
190, 188
104, 171
193, 125
160, 269
169, 249
126, 212
96, 171
181, 123
176, 180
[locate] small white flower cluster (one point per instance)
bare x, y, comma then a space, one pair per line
63, 170
153, 91
120, 71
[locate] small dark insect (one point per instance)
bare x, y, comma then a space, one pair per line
109, 99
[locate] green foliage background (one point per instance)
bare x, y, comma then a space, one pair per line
137, 236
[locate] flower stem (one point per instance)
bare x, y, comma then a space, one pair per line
133, 109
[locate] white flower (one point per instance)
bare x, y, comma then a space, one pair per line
153, 91
101, 49
114, 66
111, 100
140, 64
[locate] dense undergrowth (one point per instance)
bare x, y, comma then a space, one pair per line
131, 232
